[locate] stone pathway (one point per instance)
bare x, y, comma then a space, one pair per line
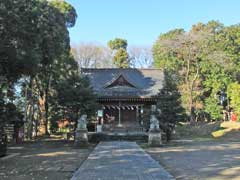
120, 160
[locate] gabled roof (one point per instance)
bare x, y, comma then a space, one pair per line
142, 83
120, 81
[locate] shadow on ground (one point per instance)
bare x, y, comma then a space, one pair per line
40, 160
212, 160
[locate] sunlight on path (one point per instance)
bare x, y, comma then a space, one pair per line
120, 160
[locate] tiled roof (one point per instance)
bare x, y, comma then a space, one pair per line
147, 82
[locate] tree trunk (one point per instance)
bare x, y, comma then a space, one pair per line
43, 107
42, 121
192, 112
31, 108
46, 111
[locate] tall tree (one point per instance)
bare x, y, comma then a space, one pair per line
117, 44
74, 97
19, 54
121, 57
55, 47
34, 40
169, 105
186, 52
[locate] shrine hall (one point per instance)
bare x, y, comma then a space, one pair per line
125, 95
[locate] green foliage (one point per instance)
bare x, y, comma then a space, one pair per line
206, 61
229, 41
19, 38
216, 80
33, 33
19, 47
164, 56
182, 51
118, 43
75, 97
169, 96
213, 108
34, 44
234, 95
169, 103
67, 10
121, 58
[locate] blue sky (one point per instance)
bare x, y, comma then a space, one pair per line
142, 21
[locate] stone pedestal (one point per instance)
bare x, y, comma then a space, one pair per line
155, 138
99, 128
154, 135
81, 138
81, 133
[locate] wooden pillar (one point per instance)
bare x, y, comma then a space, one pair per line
137, 113
119, 114
141, 112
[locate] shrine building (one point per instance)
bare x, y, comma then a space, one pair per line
125, 95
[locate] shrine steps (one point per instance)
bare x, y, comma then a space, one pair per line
118, 136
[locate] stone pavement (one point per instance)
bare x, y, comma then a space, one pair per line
120, 160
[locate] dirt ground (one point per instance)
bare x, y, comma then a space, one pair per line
45, 159
200, 159
192, 159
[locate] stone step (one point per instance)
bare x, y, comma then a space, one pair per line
124, 129
118, 136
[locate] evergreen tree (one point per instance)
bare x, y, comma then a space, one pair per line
169, 106
121, 57
73, 98
34, 40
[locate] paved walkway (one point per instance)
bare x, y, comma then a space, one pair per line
120, 160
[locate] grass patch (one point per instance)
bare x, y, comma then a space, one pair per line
226, 128
199, 131
219, 133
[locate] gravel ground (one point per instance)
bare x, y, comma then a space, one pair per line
200, 160
55, 159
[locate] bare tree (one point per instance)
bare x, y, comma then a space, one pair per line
141, 57
89, 55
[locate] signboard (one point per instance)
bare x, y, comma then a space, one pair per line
100, 113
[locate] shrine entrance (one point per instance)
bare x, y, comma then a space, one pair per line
121, 116
125, 115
